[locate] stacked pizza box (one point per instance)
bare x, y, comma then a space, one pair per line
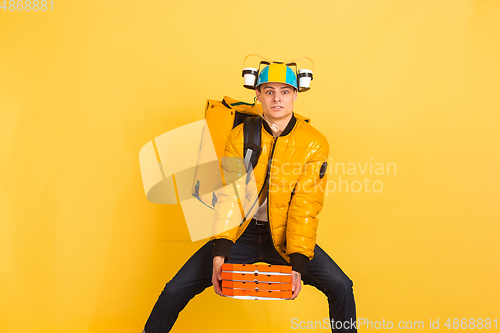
245, 281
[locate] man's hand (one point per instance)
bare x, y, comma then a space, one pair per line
216, 274
296, 284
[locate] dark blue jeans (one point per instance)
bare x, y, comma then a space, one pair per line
253, 246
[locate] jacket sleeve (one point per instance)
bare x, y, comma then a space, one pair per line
228, 211
306, 203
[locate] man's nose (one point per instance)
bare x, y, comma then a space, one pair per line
277, 97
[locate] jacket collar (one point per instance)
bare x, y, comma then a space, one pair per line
288, 128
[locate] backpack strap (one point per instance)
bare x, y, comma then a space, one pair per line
252, 138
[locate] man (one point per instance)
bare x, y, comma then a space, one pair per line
283, 229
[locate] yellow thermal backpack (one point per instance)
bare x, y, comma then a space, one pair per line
221, 117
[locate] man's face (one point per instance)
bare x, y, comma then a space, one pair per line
277, 99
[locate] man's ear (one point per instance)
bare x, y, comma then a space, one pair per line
257, 93
295, 95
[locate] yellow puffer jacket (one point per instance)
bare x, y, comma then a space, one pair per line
295, 163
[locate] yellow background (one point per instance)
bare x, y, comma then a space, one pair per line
84, 87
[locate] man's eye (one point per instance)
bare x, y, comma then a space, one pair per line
269, 92
285, 92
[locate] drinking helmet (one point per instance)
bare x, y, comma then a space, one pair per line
277, 72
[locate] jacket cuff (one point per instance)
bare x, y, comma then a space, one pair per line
222, 247
298, 261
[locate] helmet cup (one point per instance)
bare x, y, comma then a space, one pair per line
249, 77
305, 77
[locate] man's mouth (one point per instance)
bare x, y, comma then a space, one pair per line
277, 108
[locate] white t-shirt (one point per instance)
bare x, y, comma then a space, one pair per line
261, 213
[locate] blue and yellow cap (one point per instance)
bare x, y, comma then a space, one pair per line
277, 72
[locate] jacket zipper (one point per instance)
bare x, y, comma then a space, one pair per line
267, 175
268, 197
260, 192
